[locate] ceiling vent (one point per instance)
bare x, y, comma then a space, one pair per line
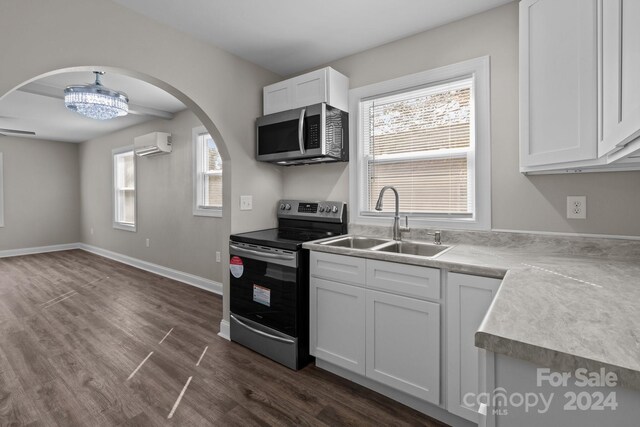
152, 144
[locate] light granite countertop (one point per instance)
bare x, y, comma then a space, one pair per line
564, 303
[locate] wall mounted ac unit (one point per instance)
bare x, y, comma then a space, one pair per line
152, 143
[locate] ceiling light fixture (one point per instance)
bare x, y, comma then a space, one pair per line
96, 101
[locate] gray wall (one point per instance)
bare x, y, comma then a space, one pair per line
41, 193
533, 203
178, 239
223, 90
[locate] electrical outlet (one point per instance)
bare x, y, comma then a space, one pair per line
217, 256
91, 231
148, 242
246, 203
576, 207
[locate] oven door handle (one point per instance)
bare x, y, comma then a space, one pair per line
264, 334
263, 254
301, 130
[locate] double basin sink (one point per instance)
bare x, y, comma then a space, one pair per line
427, 250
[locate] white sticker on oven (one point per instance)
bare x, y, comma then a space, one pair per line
236, 267
262, 295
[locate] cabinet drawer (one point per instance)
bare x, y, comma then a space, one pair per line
410, 280
340, 268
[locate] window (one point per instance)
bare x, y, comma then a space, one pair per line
207, 197
124, 189
426, 135
1, 194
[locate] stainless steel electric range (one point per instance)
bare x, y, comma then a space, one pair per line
270, 280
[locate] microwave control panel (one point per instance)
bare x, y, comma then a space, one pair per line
313, 132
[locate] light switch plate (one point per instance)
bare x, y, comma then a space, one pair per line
246, 203
576, 207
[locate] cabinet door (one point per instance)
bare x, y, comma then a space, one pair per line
403, 344
620, 74
277, 97
309, 88
558, 81
468, 299
337, 324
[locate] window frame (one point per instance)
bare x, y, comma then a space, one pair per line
198, 208
1, 192
479, 165
116, 224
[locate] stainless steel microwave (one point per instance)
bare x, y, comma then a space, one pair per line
315, 134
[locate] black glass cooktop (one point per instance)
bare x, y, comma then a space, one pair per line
288, 239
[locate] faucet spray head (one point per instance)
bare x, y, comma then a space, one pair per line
379, 203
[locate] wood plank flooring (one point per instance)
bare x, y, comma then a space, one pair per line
74, 327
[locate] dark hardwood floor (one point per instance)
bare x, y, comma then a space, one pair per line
75, 329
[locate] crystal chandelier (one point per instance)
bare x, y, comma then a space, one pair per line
96, 101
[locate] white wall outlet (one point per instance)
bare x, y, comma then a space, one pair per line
91, 231
217, 256
576, 207
246, 203
148, 242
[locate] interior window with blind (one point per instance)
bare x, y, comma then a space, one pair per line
208, 176
420, 135
420, 142
124, 189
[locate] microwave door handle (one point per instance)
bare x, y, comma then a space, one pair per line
301, 130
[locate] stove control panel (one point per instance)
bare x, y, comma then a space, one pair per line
312, 210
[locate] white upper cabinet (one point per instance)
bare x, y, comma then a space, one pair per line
579, 90
620, 74
324, 85
558, 81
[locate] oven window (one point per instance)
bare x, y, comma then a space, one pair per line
266, 293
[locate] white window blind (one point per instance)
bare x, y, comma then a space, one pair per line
208, 176
421, 142
124, 189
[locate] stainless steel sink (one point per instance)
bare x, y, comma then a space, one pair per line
356, 242
413, 248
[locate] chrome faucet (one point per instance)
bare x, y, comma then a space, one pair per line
396, 218
397, 230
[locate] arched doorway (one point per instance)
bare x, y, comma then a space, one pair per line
222, 223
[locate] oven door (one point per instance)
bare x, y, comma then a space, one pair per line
264, 286
292, 134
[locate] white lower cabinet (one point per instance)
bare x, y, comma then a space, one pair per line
383, 321
337, 332
468, 299
403, 344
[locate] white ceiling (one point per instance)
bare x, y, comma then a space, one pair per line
285, 36
39, 107
289, 36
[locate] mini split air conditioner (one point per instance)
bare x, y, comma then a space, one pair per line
152, 144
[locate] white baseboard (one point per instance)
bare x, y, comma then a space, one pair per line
38, 250
225, 330
189, 279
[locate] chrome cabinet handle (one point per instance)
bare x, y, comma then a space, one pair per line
264, 334
263, 254
301, 130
